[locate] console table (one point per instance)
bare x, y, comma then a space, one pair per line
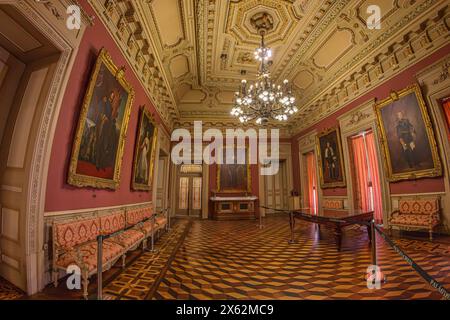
230, 208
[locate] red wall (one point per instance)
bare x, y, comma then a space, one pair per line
60, 195
400, 81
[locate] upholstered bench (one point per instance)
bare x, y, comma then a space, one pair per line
74, 243
75, 240
128, 239
333, 207
416, 214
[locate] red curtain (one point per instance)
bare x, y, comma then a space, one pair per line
446, 106
367, 179
361, 173
312, 182
375, 177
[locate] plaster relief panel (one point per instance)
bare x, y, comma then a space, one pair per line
303, 79
179, 66
337, 44
193, 96
168, 16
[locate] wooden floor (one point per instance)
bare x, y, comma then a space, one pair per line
237, 260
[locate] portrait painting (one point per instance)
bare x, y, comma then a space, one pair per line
144, 154
235, 177
100, 136
407, 136
331, 167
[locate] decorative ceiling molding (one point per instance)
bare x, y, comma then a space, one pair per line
324, 47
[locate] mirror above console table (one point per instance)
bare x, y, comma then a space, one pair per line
233, 207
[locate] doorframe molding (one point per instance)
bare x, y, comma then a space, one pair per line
307, 144
285, 154
357, 120
50, 28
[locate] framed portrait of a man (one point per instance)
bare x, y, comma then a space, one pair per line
100, 136
144, 154
329, 152
407, 137
234, 177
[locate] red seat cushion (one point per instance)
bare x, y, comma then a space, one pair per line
88, 255
411, 220
161, 222
147, 227
128, 238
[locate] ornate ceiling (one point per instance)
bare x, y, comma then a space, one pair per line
195, 52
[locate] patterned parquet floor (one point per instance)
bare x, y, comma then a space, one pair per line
8, 291
237, 260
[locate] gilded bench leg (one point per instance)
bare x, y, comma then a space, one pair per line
144, 244
85, 285
431, 234
123, 260
55, 277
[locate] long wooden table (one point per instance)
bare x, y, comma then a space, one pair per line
335, 221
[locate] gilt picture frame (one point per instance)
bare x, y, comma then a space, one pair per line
330, 157
145, 152
99, 141
234, 178
407, 137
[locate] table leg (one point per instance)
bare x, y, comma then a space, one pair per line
292, 226
338, 237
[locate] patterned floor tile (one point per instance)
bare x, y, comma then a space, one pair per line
244, 262
9, 291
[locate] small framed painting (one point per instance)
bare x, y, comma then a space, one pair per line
234, 177
144, 154
329, 151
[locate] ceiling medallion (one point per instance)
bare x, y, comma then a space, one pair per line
263, 100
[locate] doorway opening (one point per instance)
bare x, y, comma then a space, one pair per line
29, 62
189, 191
162, 182
310, 194
277, 188
365, 174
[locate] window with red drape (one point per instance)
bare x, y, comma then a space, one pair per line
377, 201
446, 107
311, 196
367, 187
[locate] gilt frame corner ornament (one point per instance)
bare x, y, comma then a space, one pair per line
396, 96
136, 186
249, 178
75, 178
320, 158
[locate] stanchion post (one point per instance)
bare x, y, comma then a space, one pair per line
374, 242
168, 218
99, 267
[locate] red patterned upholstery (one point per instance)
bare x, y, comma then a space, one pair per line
68, 235
134, 216
147, 227
416, 214
87, 257
148, 212
413, 220
128, 238
111, 223
333, 204
418, 206
161, 222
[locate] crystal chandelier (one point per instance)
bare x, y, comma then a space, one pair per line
263, 100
